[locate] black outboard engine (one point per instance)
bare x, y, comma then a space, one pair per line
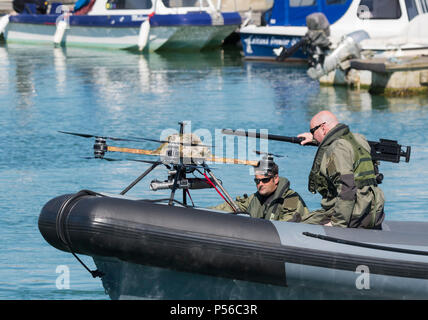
316, 45
316, 42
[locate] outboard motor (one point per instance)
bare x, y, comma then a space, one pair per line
314, 43
349, 47
317, 43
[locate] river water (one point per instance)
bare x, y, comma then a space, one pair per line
120, 94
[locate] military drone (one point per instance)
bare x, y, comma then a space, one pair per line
181, 154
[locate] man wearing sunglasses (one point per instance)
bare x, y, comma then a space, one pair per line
343, 173
274, 199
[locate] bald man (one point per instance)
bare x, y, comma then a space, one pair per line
344, 175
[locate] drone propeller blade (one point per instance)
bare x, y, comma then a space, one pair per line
133, 139
233, 161
166, 141
268, 153
145, 161
147, 139
85, 135
110, 159
102, 158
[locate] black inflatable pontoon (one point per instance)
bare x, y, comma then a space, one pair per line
235, 250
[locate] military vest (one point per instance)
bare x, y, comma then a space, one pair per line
363, 168
271, 207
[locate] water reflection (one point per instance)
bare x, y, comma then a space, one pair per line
107, 69
293, 89
4, 70
24, 82
60, 63
115, 75
356, 101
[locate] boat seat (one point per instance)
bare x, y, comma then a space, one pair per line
85, 9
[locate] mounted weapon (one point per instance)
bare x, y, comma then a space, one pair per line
382, 150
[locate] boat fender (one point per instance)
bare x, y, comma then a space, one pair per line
4, 21
60, 31
143, 36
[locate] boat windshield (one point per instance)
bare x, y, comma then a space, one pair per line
129, 4
412, 10
308, 3
333, 2
294, 12
185, 3
423, 5
302, 3
379, 9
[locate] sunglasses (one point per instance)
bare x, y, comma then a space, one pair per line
312, 131
264, 180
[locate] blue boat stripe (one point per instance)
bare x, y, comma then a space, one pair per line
193, 19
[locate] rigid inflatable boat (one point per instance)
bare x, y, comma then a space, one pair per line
166, 248
164, 251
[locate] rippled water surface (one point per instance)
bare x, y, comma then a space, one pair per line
43, 90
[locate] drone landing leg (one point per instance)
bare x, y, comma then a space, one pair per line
229, 198
184, 197
174, 186
145, 173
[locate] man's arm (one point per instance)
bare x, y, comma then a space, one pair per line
241, 202
339, 168
293, 209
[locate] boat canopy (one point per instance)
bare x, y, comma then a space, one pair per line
148, 4
294, 12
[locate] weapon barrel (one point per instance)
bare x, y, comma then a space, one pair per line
265, 136
382, 150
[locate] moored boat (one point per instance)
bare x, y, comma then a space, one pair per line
145, 25
382, 20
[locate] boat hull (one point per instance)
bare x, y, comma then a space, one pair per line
114, 33
124, 280
131, 239
259, 46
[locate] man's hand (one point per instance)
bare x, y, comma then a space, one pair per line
308, 137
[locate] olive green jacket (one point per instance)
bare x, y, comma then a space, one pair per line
284, 204
344, 203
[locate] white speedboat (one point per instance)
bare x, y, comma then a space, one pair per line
126, 24
388, 24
